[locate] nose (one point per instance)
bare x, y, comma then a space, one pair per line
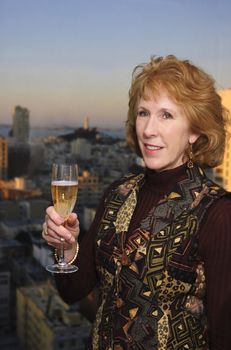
150, 127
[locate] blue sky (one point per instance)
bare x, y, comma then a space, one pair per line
68, 59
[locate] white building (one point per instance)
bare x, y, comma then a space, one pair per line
81, 147
43, 254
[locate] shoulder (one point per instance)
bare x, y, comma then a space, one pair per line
217, 221
215, 233
221, 208
120, 181
127, 179
116, 184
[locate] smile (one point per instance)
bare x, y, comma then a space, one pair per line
152, 148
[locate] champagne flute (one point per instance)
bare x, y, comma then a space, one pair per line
64, 189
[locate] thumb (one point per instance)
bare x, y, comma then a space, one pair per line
72, 220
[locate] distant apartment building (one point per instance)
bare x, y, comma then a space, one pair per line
23, 210
90, 190
223, 172
21, 124
88, 216
43, 254
18, 158
9, 249
18, 189
3, 158
55, 150
44, 321
37, 158
81, 147
4, 300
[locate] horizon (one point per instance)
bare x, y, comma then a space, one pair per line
67, 61
223, 93
64, 126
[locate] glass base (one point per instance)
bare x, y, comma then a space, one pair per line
65, 268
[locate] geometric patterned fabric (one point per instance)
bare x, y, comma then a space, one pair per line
152, 284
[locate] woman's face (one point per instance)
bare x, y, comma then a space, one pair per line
163, 132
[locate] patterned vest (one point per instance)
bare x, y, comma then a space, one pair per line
152, 285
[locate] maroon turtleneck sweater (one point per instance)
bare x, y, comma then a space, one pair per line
214, 249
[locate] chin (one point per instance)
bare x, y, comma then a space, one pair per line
152, 166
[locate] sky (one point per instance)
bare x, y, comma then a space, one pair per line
66, 60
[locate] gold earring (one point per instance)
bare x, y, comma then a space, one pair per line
190, 160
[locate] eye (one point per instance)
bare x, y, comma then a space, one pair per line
167, 115
142, 113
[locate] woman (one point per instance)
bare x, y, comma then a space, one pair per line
159, 249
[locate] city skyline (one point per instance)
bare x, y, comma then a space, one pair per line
65, 61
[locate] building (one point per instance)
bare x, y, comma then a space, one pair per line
18, 158
88, 217
9, 342
22, 211
45, 322
37, 158
3, 158
4, 300
223, 172
86, 124
81, 147
18, 189
9, 248
43, 254
90, 190
21, 126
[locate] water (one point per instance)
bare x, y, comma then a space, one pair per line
36, 132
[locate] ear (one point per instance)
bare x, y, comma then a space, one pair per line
193, 137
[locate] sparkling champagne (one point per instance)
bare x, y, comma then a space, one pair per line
64, 196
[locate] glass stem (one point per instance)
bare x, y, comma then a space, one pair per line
61, 261
61, 252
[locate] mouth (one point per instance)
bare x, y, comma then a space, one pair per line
152, 147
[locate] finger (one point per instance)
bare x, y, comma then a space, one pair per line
45, 229
71, 220
48, 237
74, 230
55, 241
57, 244
54, 216
73, 226
48, 232
59, 231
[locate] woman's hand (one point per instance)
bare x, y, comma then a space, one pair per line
55, 228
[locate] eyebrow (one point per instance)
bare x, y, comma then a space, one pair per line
162, 109
142, 108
